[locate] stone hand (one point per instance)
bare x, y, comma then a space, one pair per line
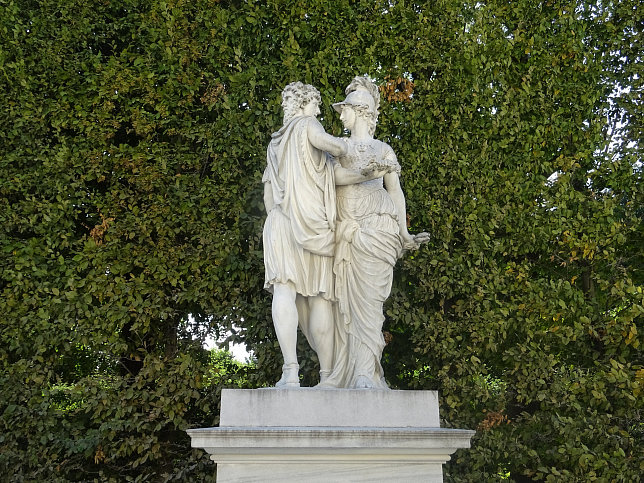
413, 242
376, 169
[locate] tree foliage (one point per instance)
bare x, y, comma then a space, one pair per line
132, 144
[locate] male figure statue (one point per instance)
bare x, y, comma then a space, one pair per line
299, 195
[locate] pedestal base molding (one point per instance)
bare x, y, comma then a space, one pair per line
332, 449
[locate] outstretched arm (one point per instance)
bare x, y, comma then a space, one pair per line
392, 184
325, 142
268, 197
344, 176
337, 147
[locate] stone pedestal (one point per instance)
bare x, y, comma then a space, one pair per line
326, 435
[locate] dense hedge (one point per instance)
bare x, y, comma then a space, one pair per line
132, 141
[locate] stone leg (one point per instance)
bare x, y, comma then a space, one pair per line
285, 322
321, 330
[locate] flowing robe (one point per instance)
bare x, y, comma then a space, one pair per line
299, 237
367, 246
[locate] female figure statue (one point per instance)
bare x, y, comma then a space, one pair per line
371, 234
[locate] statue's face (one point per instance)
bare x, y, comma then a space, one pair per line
311, 109
348, 117
286, 101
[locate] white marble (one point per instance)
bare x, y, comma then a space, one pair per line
331, 471
371, 234
335, 227
299, 232
329, 435
330, 454
329, 408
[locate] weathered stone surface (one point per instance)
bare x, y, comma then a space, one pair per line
329, 435
307, 407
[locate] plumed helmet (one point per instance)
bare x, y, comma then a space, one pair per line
359, 97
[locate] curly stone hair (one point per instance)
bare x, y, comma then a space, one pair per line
295, 96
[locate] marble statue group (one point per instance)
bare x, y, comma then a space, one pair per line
335, 227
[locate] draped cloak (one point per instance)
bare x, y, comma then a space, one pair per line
299, 230
368, 243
